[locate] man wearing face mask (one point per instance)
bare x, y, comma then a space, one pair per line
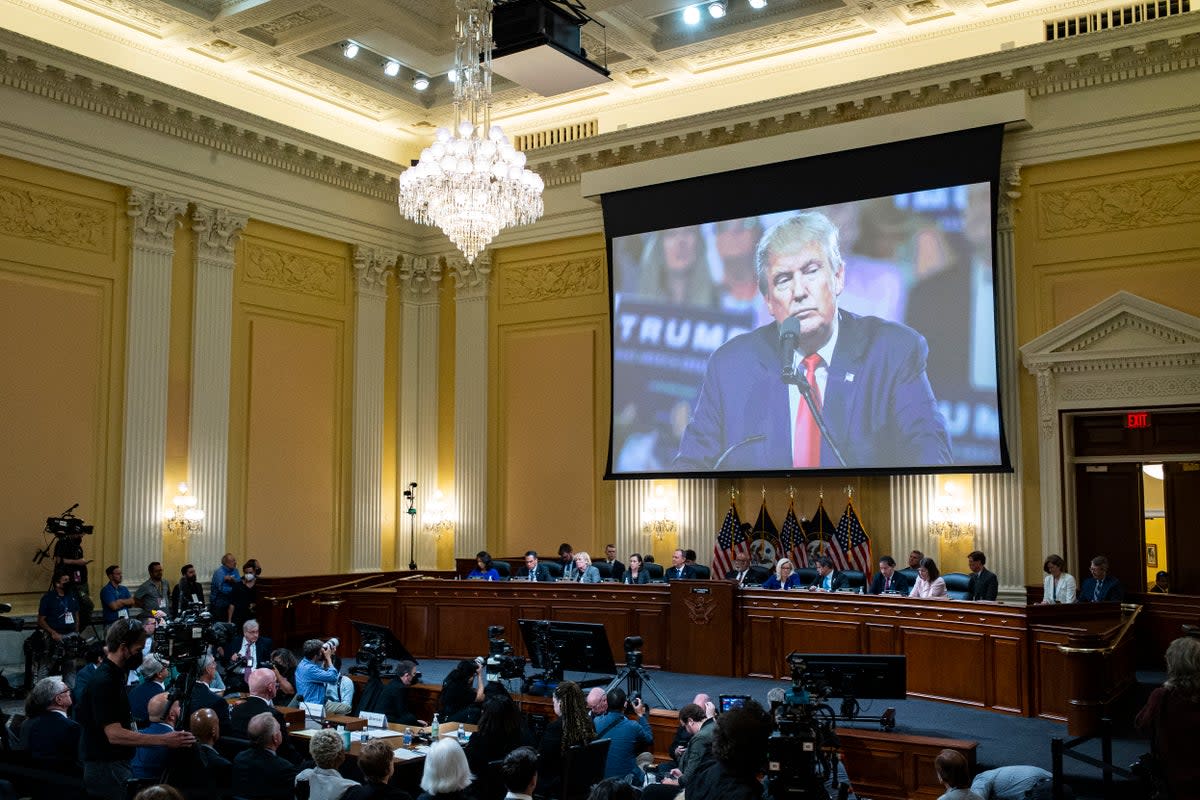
108, 737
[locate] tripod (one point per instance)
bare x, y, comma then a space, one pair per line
636, 678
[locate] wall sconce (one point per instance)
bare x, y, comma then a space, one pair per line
950, 521
183, 518
437, 519
658, 519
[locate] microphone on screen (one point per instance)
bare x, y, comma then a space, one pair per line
789, 334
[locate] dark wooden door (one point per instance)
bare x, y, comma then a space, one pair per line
1108, 501
1181, 498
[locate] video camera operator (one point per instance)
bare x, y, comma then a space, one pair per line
108, 738
68, 558
316, 672
58, 621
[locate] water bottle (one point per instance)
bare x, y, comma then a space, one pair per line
408, 737
462, 734
433, 729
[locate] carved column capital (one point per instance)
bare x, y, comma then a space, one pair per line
1010, 192
471, 280
371, 266
418, 276
154, 217
217, 231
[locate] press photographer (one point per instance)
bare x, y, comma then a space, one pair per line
316, 673
66, 547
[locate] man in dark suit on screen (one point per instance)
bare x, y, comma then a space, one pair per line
867, 374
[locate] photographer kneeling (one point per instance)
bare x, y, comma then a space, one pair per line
316, 673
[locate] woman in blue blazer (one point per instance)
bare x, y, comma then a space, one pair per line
785, 576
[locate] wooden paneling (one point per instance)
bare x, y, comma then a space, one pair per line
944, 665
700, 635
1006, 663
892, 766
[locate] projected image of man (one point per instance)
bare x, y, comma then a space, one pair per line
866, 375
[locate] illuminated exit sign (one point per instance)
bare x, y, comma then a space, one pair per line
1137, 419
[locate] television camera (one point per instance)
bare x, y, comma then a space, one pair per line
60, 527
802, 752
502, 665
188, 636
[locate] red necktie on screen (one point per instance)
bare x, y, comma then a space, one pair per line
806, 439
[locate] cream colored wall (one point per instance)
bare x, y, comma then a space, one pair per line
290, 413
1084, 229
549, 372
63, 266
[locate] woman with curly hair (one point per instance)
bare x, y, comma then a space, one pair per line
573, 727
1171, 718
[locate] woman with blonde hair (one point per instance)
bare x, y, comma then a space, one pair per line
785, 576
584, 572
1171, 718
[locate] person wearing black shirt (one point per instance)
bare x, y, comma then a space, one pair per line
108, 738
188, 591
68, 558
57, 619
460, 701
392, 699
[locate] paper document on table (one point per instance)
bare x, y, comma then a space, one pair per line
380, 733
404, 754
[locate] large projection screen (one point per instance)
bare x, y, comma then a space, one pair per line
862, 281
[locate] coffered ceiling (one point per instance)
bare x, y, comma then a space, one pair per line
282, 59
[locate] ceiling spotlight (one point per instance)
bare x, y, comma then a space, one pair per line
757, 4
691, 15
716, 9
349, 49
420, 83
391, 69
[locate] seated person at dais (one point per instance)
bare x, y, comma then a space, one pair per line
888, 580
828, 578
583, 571
484, 571
785, 576
929, 581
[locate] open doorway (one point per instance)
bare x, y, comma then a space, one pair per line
1154, 535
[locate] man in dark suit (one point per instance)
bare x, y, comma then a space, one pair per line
828, 579
888, 580
261, 700
200, 772
51, 737
1100, 588
154, 672
743, 574
205, 697
867, 375
534, 571
392, 701
246, 653
983, 584
679, 570
258, 773
616, 568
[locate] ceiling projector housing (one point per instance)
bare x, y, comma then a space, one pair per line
538, 46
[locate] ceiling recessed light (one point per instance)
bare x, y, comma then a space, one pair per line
420, 83
716, 9
691, 15
350, 50
391, 68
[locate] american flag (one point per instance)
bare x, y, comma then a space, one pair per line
730, 542
851, 546
820, 531
792, 543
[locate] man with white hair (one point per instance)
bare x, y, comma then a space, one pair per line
597, 702
258, 773
203, 696
51, 737
149, 761
247, 652
154, 672
261, 700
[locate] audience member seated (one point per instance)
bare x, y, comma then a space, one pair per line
375, 759
446, 775
954, 774
160, 791
628, 737
50, 736
745, 575
984, 585
324, 781
572, 726
1008, 783
636, 572
1161, 585
698, 755
258, 773
583, 571
249, 651
261, 700
502, 729
154, 672
1100, 588
929, 581
738, 743
93, 657
616, 570
680, 570
1058, 586
484, 571
392, 699
203, 696
284, 663
339, 696
200, 772
316, 673
534, 570
887, 580
784, 577
612, 789
519, 772
828, 578
1171, 718
149, 761
462, 692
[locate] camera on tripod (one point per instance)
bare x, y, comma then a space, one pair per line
633, 652
802, 752
502, 665
187, 637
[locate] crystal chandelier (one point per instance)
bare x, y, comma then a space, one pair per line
471, 182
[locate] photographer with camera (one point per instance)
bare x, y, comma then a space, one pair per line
629, 737
316, 672
58, 621
739, 745
460, 701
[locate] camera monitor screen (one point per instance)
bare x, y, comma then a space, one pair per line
728, 701
863, 677
579, 646
392, 648
833, 313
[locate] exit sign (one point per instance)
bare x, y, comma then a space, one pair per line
1137, 419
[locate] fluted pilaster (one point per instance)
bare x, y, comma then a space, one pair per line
371, 266
153, 219
217, 231
698, 515
471, 286
419, 279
